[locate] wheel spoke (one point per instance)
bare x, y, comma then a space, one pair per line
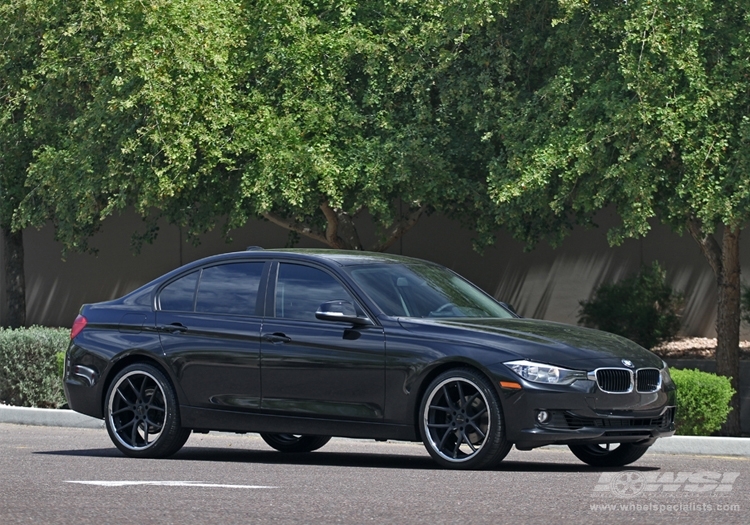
151, 397
129, 403
478, 414
441, 409
123, 427
451, 405
457, 447
134, 435
142, 391
472, 398
153, 424
135, 390
155, 407
468, 442
445, 436
461, 400
145, 431
439, 425
124, 409
479, 431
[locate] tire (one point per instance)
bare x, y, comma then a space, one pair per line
605, 456
295, 442
141, 413
461, 421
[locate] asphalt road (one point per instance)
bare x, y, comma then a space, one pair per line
63, 475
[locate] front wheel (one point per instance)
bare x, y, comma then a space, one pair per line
461, 421
141, 413
609, 455
295, 442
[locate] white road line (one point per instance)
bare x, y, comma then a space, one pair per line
168, 484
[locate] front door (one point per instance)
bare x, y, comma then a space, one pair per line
318, 368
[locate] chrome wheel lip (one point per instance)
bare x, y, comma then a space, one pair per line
111, 420
425, 420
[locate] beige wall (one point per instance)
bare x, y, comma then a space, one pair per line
545, 283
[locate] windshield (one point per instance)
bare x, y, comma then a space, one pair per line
424, 290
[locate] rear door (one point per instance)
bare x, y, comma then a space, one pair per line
209, 327
312, 367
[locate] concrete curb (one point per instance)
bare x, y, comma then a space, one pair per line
686, 445
48, 417
700, 445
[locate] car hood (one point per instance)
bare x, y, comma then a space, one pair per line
544, 341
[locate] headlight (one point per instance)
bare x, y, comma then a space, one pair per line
542, 373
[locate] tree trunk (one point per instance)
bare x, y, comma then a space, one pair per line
15, 281
728, 324
725, 262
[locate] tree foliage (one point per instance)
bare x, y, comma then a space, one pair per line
641, 106
305, 113
147, 93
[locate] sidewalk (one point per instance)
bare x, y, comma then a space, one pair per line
687, 445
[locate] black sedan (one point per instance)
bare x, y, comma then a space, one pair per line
303, 345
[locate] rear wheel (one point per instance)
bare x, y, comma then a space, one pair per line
295, 442
609, 454
461, 421
141, 413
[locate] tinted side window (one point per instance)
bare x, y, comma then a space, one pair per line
229, 288
301, 289
178, 295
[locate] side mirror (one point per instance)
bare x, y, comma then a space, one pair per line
340, 311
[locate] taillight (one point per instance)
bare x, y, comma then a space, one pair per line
78, 325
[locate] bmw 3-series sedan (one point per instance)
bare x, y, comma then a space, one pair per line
303, 345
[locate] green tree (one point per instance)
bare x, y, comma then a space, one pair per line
638, 105
304, 113
105, 105
22, 24
149, 92
347, 114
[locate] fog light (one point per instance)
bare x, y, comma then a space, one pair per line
542, 416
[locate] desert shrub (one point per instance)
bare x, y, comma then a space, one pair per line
642, 307
702, 401
29, 366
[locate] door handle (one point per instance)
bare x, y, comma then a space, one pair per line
173, 328
276, 338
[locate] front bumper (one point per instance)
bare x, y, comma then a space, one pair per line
566, 428
582, 414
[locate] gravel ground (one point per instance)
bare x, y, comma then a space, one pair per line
695, 348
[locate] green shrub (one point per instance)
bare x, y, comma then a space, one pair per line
745, 303
643, 308
702, 401
60, 358
29, 366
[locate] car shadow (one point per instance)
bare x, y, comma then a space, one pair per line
341, 459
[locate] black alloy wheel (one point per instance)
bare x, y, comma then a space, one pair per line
609, 454
295, 442
141, 413
461, 421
